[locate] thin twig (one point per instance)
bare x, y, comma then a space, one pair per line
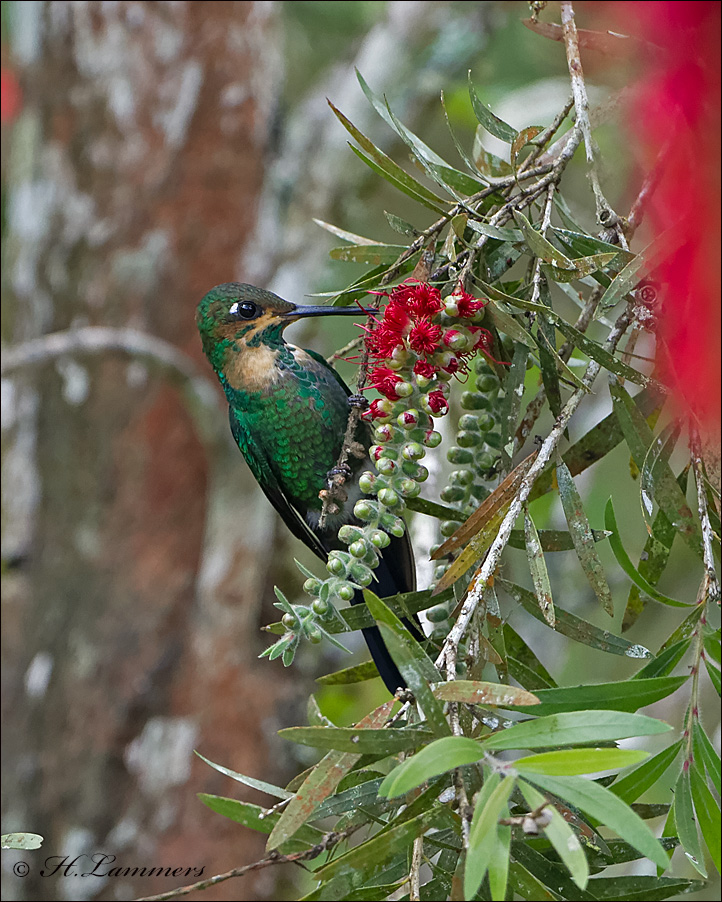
417, 857
605, 214
487, 569
328, 842
710, 589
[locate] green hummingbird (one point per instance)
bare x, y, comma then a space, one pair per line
288, 412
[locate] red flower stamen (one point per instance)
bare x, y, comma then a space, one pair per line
424, 336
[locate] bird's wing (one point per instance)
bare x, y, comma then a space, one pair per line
272, 490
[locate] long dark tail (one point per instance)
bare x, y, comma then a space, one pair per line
395, 574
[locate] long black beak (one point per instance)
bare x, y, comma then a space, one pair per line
299, 311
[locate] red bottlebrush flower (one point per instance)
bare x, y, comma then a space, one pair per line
425, 369
383, 340
384, 380
418, 298
437, 402
467, 304
375, 411
396, 317
424, 336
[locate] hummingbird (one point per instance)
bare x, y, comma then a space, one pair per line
288, 413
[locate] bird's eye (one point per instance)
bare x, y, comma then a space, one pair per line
243, 310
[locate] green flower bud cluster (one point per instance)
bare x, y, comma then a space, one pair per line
475, 457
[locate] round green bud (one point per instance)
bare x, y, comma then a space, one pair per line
357, 549
408, 419
408, 488
379, 539
363, 510
486, 422
483, 368
320, 607
312, 586
385, 466
451, 308
461, 477
434, 548
457, 341
361, 574
440, 571
423, 382
336, 566
349, 534
314, 635
486, 460
468, 439
367, 482
289, 621
469, 421
448, 528
413, 451
473, 400
487, 383
432, 439
480, 492
452, 493
404, 389
345, 592
388, 497
459, 456
422, 474
438, 614
384, 434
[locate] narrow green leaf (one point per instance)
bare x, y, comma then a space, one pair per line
552, 539
476, 692
495, 126
414, 664
712, 646
708, 815
436, 758
350, 237
538, 568
358, 673
323, 780
371, 254
599, 803
642, 889
685, 821
587, 245
483, 834
579, 761
492, 231
623, 559
499, 860
507, 325
573, 728
524, 666
552, 875
705, 753
561, 836
524, 137
653, 559
526, 885
664, 663
385, 163
574, 627
626, 695
400, 184
686, 628
583, 267
459, 148
539, 246
352, 739
714, 675
350, 799
546, 342
369, 858
256, 818
511, 404
667, 492
582, 537
261, 785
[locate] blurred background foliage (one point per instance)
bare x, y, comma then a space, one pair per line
289, 57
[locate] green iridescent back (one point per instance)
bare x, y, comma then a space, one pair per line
291, 433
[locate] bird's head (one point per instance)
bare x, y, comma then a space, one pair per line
235, 316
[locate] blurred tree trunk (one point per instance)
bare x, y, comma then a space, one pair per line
132, 615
